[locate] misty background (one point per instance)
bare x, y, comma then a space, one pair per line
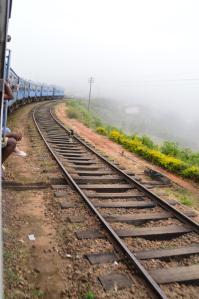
143, 55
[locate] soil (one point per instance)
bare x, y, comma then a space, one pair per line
29, 266
53, 265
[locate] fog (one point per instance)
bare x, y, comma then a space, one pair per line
139, 52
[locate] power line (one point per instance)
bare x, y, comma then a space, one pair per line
154, 80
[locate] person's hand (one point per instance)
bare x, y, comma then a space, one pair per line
17, 136
8, 95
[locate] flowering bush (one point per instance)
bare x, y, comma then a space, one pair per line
101, 131
115, 135
191, 172
135, 144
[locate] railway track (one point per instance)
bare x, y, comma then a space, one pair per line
126, 208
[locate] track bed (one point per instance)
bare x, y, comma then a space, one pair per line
149, 233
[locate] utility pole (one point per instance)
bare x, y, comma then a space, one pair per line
90, 81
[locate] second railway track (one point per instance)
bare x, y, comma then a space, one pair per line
126, 208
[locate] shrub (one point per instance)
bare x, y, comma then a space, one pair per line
115, 135
165, 161
193, 159
191, 172
102, 131
185, 154
78, 111
135, 145
170, 148
72, 114
171, 163
146, 140
136, 137
170, 156
97, 122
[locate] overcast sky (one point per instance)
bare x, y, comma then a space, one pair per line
139, 50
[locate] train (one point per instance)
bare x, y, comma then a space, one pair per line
25, 91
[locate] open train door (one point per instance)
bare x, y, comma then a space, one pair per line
5, 13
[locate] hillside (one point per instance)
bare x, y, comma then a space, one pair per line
142, 119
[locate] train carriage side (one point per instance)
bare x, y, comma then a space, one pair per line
21, 92
14, 83
58, 92
32, 91
38, 92
28, 91
50, 91
27, 88
44, 92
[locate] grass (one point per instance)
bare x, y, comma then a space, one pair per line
186, 201
169, 155
185, 154
7, 256
183, 196
37, 293
12, 277
90, 295
78, 110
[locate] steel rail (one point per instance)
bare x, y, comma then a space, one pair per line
125, 250
165, 205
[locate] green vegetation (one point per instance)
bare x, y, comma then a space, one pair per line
185, 201
79, 111
191, 172
89, 295
185, 154
169, 155
102, 131
135, 145
37, 293
170, 158
146, 140
183, 195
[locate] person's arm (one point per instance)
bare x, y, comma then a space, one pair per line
17, 136
8, 95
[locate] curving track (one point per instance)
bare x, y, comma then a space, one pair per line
126, 208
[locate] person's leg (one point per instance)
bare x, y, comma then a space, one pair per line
7, 130
16, 151
19, 153
9, 149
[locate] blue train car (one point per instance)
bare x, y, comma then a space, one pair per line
28, 91
21, 91
27, 87
38, 91
58, 92
32, 90
44, 91
50, 91
13, 79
